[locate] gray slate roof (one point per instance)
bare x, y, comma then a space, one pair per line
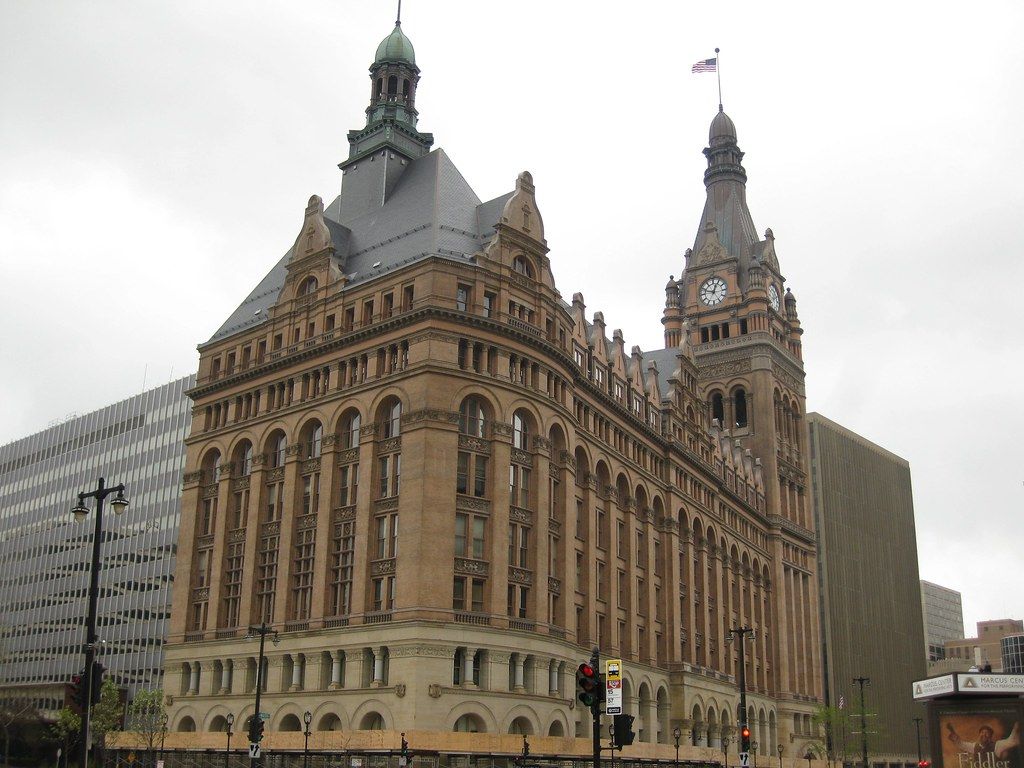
432, 211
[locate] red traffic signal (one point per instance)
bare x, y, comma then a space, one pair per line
924, 764
745, 733
589, 683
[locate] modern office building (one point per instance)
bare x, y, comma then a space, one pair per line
871, 597
442, 484
943, 618
47, 554
984, 650
1013, 654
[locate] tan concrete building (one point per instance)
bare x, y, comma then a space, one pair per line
442, 484
871, 596
981, 651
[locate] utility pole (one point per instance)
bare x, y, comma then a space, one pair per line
595, 708
862, 681
742, 632
917, 723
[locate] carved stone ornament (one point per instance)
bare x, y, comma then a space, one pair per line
275, 475
209, 491
258, 460
310, 465
386, 505
271, 529
344, 513
471, 567
474, 444
314, 236
349, 456
721, 370
200, 595
554, 585
203, 542
568, 459
472, 504
382, 567
431, 414
500, 428
520, 515
400, 690
541, 443
306, 522
434, 690
391, 445
519, 575
240, 483
192, 478
712, 249
329, 441
368, 431
522, 457
236, 536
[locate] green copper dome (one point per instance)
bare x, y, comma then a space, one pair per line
396, 47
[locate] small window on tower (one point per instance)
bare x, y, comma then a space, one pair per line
392, 86
717, 408
740, 407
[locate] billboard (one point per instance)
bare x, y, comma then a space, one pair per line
978, 734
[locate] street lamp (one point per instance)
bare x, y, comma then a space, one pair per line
917, 722
862, 681
256, 724
227, 749
725, 750
753, 748
163, 734
779, 748
676, 733
742, 633
307, 718
808, 757
80, 511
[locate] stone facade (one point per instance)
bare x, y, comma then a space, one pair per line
554, 491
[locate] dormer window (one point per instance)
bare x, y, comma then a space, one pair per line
522, 266
309, 285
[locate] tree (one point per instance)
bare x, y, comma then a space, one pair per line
147, 716
106, 713
66, 730
15, 715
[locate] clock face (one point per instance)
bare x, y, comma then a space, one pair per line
712, 291
773, 297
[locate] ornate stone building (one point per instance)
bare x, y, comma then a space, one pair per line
442, 484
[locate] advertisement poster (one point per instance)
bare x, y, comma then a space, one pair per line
981, 737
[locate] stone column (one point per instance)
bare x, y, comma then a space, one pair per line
193, 684
378, 666
225, 677
553, 678
336, 681
520, 661
467, 668
297, 664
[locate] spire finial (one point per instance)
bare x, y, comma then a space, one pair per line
718, 71
398, 19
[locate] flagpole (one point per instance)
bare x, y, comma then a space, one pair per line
718, 70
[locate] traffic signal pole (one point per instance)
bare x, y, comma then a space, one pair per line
595, 709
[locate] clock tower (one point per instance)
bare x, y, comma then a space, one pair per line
742, 323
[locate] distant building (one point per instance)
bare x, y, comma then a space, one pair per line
943, 618
871, 598
46, 553
981, 651
1013, 654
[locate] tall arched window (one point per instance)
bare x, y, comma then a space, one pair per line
522, 266
349, 430
392, 422
277, 450
740, 407
309, 285
471, 417
718, 408
312, 440
520, 431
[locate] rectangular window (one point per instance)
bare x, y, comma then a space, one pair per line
367, 312
641, 550
275, 491
348, 484
302, 577
518, 599
310, 493
461, 297
384, 593
471, 474
490, 301
389, 305
459, 594
233, 562
266, 577
386, 528
390, 472
407, 294
600, 580
461, 523
329, 323
342, 559
518, 545
203, 568
519, 486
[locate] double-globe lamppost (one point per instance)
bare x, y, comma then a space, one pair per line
227, 749
725, 750
80, 511
676, 733
307, 718
779, 748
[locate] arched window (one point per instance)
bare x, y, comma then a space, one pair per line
243, 458
740, 407
469, 724
522, 266
312, 440
718, 408
309, 285
277, 450
392, 86
520, 431
380, 86
471, 417
391, 423
373, 721
350, 430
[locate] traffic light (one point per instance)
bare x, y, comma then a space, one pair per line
405, 748
98, 672
589, 682
744, 739
924, 764
622, 731
76, 692
256, 728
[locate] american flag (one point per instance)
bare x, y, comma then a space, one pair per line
842, 701
705, 65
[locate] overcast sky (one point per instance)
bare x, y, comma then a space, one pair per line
156, 159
